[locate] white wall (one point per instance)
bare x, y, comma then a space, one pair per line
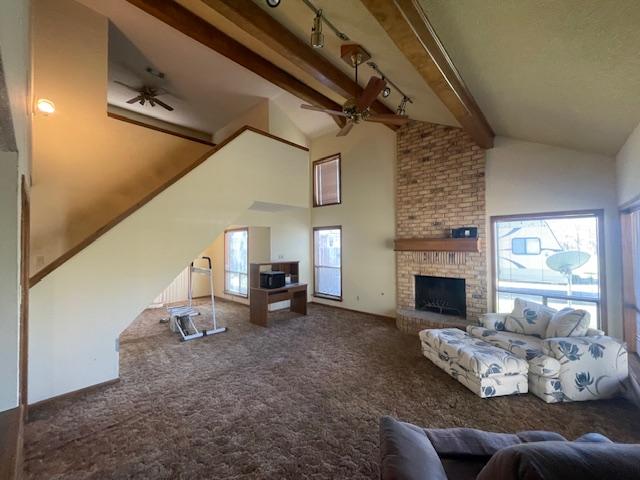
628, 168
367, 216
256, 117
524, 177
9, 286
79, 310
14, 53
281, 125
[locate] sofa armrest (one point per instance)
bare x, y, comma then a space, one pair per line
493, 321
590, 367
406, 453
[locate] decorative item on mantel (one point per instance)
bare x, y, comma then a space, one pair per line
463, 239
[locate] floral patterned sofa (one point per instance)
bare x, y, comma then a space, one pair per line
568, 361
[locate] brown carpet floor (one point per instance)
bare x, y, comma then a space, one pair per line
300, 399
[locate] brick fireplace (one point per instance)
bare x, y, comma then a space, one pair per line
440, 185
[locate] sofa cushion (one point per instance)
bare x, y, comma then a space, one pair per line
474, 355
529, 318
526, 347
568, 323
493, 321
406, 453
562, 460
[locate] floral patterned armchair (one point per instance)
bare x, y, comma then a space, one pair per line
567, 360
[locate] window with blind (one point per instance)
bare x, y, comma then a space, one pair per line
236, 261
327, 262
326, 181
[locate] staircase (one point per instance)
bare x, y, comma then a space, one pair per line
80, 305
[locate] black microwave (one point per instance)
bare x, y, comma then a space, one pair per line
272, 279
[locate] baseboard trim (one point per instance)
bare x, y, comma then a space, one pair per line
11, 441
74, 393
376, 315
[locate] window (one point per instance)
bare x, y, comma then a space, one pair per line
236, 261
630, 219
326, 181
554, 259
525, 246
327, 262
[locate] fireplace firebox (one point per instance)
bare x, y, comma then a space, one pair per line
441, 294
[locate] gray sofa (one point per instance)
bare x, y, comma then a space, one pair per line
408, 452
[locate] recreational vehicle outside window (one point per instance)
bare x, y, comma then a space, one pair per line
555, 259
327, 262
236, 261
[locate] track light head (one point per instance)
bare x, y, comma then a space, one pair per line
402, 108
317, 37
273, 3
386, 92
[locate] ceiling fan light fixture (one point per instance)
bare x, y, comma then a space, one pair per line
317, 37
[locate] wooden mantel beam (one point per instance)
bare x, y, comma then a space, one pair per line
248, 16
408, 26
202, 31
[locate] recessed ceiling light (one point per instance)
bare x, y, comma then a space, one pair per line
386, 92
45, 106
273, 3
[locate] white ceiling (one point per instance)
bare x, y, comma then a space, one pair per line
558, 72
208, 89
564, 73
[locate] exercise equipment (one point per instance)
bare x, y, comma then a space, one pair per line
180, 317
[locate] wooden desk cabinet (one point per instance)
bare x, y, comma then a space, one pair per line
261, 298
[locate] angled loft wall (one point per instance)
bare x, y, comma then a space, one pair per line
78, 310
87, 167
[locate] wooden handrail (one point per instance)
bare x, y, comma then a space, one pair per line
35, 278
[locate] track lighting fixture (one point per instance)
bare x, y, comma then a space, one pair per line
386, 92
323, 18
317, 37
402, 108
273, 3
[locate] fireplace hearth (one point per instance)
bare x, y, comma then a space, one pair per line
442, 295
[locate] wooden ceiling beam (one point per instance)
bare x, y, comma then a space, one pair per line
248, 16
203, 32
409, 28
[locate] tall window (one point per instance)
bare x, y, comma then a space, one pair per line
236, 261
555, 259
326, 181
327, 262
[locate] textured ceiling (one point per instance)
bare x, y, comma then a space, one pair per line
558, 72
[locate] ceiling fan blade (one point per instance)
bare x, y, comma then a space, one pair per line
152, 102
163, 105
389, 118
142, 100
319, 109
127, 86
371, 92
346, 129
135, 99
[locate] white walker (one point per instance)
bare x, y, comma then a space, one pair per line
180, 320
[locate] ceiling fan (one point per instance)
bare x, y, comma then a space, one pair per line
356, 110
146, 94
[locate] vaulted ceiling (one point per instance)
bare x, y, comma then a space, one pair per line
563, 73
